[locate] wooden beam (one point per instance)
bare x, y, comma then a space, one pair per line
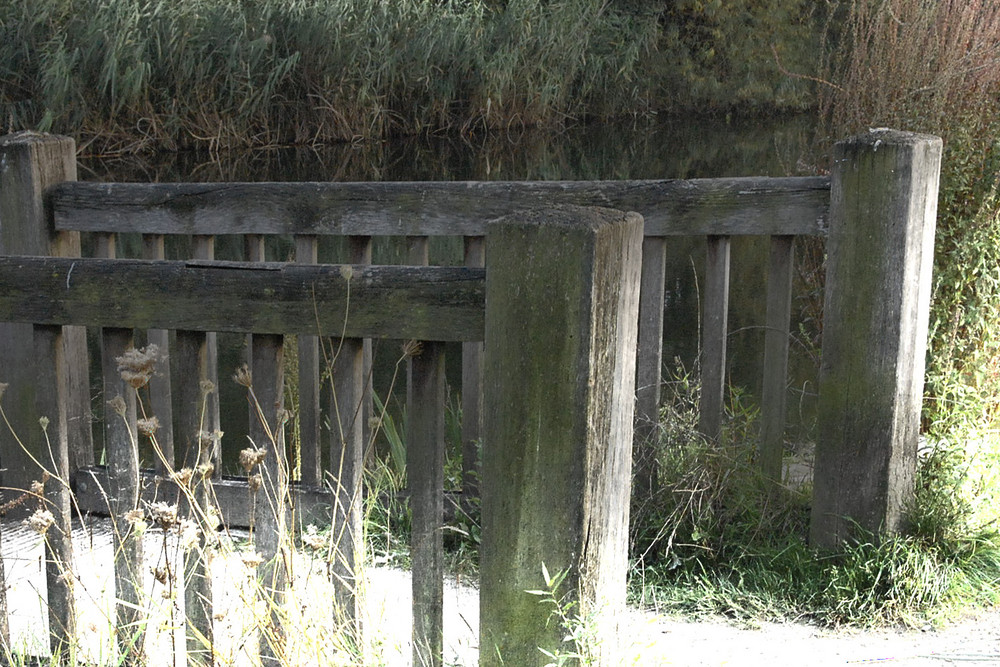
722, 206
436, 303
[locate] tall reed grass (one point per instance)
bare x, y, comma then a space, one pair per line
124, 75
935, 67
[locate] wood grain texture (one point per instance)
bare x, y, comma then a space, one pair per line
153, 247
472, 391
435, 303
120, 437
725, 206
714, 334
774, 395
425, 401
880, 257
29, 163
49, 435
559, 405
649, 362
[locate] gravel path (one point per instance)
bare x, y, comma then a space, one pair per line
652, 640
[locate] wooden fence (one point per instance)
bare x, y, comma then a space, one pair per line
878, 210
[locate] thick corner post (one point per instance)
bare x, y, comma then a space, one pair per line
562, 298
30, 163
880, 255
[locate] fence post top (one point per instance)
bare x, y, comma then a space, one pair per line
566, 216
884, 136
24, 137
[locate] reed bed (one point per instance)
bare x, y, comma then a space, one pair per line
129, 75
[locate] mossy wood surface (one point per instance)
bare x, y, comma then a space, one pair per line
750, 205
123, 493
437, 303
876, 311
30, 163
562, 309
52, 438
425, 401
714, 336
774, 395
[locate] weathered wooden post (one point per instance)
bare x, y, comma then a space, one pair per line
562, 295
273, 520
880, 255
49, 438
649, 362
29, 163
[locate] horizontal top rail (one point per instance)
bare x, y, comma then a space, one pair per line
721, 206
425, 303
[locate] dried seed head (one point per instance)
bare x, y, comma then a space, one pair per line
137, 366
118, 405
148, 426
243, 376
160, 573
163, 514
189, 534
182, 477
412, 348
38, 488
207, 387
312, 540
40, 521
251, 559
137, 520
44, 422
255, 482
251, 457
346, 272
205, 470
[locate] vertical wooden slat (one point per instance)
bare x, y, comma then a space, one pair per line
472, 391
425, 404
713, 336
360, 252
775, 386
204, 248
194, 430
417, 251
346, 460
311, 460
159, 384
50, 441
425, 473
649, 362
123, 494
253, 247
272, 521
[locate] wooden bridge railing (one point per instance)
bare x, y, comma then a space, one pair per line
898, 181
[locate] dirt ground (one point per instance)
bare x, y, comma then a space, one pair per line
651, 640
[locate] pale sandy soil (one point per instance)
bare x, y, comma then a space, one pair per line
651, 639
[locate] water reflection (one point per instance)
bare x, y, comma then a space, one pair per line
674, 148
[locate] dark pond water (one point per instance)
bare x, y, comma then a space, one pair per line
694, 148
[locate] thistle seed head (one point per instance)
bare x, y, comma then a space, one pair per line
243, 376
40, 521
148, 426
164, 515
251, 457
137, 366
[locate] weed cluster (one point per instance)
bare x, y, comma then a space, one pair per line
718, 538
